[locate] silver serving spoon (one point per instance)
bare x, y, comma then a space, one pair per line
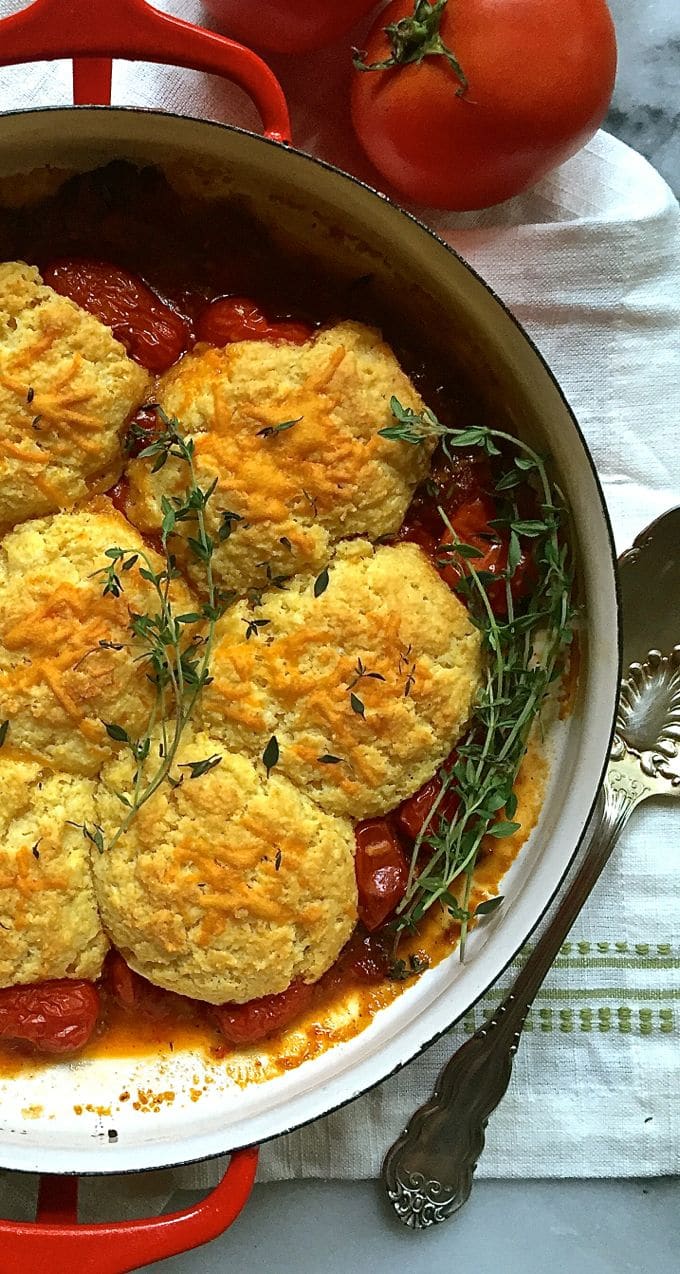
428, 1171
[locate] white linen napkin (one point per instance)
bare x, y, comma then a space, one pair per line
589, 261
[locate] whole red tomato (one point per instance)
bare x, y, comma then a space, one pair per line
288, 26
413, 815
474, 101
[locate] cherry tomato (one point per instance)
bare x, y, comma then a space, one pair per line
471, 525
247, 1023
55, 1017
125, 984
118, 495
534, 85
413, 815
235, 318
471, 519
287, 26
381, 871
416, 533
142, 429
152, 332
366, 957
460, 477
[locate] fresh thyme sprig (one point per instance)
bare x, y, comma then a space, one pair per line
175, 653
524, 653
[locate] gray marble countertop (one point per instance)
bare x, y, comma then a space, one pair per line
645, 111
513, 1227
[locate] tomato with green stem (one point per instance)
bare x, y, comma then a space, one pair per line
462, 105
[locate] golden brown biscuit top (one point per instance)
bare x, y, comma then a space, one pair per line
67, 389
67, 657
229, 886
377, 673
296, 490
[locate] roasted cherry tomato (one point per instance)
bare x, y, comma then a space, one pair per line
143, 427
413, 816
471, 524
287, 26
247, 1023
152, 332
381, 871
415, 533
480, 98
235, 318
55, 1017
118, 495
366, 956
125, 984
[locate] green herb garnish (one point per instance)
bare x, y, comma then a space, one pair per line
321, 582
524, 651
270, 756
176, 660
270, 430
399, 970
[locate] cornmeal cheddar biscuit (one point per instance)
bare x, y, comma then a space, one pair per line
58, 683
379, 671
229, 886
288, 493
67, 389
49, 923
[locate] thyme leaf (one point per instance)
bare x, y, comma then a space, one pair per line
321, 582
271, 754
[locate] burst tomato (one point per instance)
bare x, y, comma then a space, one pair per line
366, 956
471, 524
119, 494
381, 871
413, 815
236, 318
481, 97
152, 332
125, 984
55, 1017
143, 427
287, 26
247, 1023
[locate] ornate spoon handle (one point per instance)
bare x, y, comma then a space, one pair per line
428, 1171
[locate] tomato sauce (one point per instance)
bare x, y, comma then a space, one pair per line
164, 272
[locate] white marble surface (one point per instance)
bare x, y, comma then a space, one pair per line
645, 111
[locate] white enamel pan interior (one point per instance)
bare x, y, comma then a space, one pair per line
39, 1127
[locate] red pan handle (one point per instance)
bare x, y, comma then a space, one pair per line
56, 1244
94, 31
